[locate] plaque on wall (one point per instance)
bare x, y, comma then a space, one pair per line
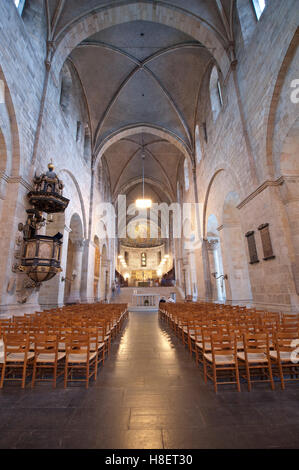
266, 242
252, 248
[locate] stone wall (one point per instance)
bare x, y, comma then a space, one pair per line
241, 152
243, 146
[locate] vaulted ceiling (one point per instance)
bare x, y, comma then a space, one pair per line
142, 74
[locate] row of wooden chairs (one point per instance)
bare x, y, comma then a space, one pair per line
71, 342
229, 341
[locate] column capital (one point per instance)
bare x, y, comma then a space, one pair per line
212, 244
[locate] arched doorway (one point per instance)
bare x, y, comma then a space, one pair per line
234, 252
215, 260
74, 262
97, 263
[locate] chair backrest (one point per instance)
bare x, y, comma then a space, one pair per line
256, 343
46, 344
284, 342
223, 344
15, 344
77, 344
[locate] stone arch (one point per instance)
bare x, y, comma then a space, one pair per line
150, 182
12, 166
3, 152
287, 60
215, 93
10, 182
235, 184
205, 221
79, 193
142, 129
73, 277
101, 18
234, 251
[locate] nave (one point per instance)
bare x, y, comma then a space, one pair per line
149, 394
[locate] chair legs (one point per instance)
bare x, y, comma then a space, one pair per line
2, 375
249, 381
24, 374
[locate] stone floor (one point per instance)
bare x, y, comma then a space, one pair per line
149, 395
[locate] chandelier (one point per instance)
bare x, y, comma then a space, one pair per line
143, 203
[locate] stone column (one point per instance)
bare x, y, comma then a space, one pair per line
207, 270
75, 295
290, 197
213, 246
87, 277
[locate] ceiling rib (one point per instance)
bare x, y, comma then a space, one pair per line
141, 65
56, 16
148, 180
152, 156
187, 151
165, 4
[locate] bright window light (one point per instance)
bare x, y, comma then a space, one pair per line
19, 5
143, 203
259, 6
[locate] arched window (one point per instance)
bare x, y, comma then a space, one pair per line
198, 145
259, 6
178, 190
143, 260
20, 5
186, 174
215, 93
87, 144
66, 88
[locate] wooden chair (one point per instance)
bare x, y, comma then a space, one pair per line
16, 356
282, 356
256, 357
46, 358
223, 361
79, 357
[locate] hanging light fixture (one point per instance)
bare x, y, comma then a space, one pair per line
143, 203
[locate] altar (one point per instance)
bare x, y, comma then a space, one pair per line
143, 302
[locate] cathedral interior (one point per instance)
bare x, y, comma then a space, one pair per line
149, 150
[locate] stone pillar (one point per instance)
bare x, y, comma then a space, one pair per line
75, 294
290, 197
87, 277
207, 270
213, 246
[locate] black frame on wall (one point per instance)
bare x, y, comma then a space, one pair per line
266, 242
254, 259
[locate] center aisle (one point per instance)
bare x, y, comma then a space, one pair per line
160, 387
